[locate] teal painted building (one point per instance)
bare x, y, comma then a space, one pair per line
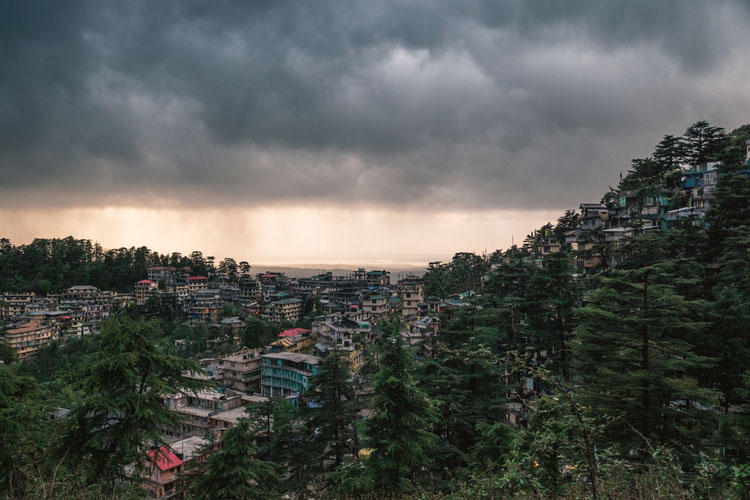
285, 374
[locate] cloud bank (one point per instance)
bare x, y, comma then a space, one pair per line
390, 105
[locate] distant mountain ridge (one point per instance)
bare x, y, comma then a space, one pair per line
303, 271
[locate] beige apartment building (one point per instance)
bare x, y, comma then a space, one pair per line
14, 304
197, 283
143, 290
411, 295
242, 370
30, 337
282, 310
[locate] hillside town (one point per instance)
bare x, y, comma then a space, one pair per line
33, 321
262, 337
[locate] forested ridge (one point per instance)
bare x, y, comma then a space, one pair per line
53, 264
625, 382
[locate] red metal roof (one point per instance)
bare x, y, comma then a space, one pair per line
145, 281
197, 278
164, 458
292, 332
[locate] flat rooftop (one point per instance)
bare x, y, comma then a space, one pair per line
190, 447
295, 357
231, 416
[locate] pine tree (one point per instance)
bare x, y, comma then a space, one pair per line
503, 302
667, 157
553, 294
334, 412
121, 412
730, 335
467, 387
24, 431
730, 207
262, 415
235, 472
634, 356
438, 280
397, 433
292, 448
702, 143
567, 222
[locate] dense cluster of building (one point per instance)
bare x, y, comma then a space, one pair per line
32, 321
343, 313
602, 227
275, 298
349, 311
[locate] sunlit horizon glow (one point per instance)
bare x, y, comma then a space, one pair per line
286, 236
348, 133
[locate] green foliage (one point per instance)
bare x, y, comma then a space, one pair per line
462, 274
7, 353
292, 449
465, 385
503, 302
51, 265
633, 350
257, 333
730, 208
333, 415
235, 472
551, 299
702, 142
120, 413
567, 222
630, 413
24, 429
397, 432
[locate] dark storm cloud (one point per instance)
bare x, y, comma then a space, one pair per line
496, 104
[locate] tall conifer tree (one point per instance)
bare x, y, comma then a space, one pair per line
121, 412
397, 433
235, 472
633, 352
333, 415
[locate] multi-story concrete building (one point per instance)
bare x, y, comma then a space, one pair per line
287, 374
315, 284
343, 332
379, 278
348, 290
289, 309
271, 283
197, 283
250, 290
204, 305
163, 468
13, 304
197, 408
241, 370
294, 340
422, 330
411, 293
340, 330
157, 274
143, 290
168, 468
182, 292
230, 292
699, 184
28, 338
375, 304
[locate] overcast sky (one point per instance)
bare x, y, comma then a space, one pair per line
335, 131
